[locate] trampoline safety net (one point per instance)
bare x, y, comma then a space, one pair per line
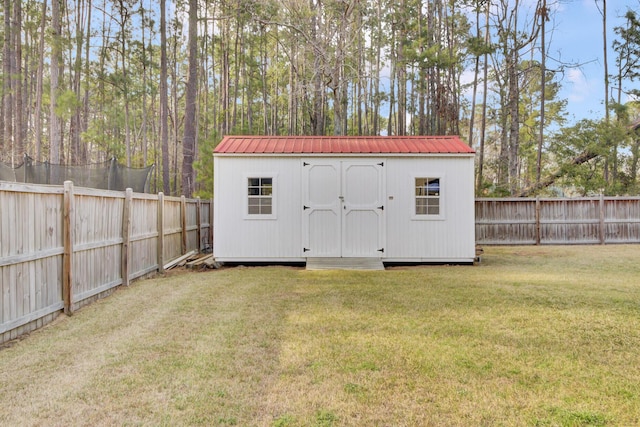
108, 175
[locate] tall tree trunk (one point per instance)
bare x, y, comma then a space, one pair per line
485, 88
291, 106
605, 48
86, 150
174, 98
236, 76
225, 78
543, 15
17, 85
392, 83
605, 63
39, 83
189, 140
514, 124
55, 125
263, 76
317, 116
401, 72
102, 105
375, 92
7, 100
476, 70
76, 126
143, 128
164, 102
124, 18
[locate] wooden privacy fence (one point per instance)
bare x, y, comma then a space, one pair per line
62, 247
523, 221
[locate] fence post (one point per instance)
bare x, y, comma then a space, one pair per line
211, 224
161, 232
538, 221
126, 235
67, 257
199, 225
183, 223
602, 224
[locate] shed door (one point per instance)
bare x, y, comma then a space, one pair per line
343, 208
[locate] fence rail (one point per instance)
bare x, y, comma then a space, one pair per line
62, 247
522, 221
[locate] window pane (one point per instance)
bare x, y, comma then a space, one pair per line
433, 206
434, 187
254, 182
421, 186
265, 206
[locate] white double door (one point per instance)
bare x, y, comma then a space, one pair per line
343, 208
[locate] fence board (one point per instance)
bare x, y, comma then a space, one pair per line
172, 228
206, 240
144, 236
30, 238
33, 247
191, 227
558, 221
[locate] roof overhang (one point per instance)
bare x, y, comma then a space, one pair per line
347, 146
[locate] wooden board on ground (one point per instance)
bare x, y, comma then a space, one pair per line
180, 260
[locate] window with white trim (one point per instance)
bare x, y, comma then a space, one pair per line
427, 194
260, 196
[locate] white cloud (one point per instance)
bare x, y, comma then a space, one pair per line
630, 98
580, 89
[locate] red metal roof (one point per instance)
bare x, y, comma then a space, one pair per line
342, 145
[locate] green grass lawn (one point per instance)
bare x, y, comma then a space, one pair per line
538, 336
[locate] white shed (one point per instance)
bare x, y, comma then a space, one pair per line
398, 199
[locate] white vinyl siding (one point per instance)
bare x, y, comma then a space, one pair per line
449, 236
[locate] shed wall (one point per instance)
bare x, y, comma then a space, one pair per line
243, 238
451, 238
240, 238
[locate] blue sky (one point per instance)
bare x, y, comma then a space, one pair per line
577, 38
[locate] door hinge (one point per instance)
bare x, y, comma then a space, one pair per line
306, 249
381, 250
381, 207
304, 208
381, 164
305, 164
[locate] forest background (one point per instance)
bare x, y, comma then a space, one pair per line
147, 82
